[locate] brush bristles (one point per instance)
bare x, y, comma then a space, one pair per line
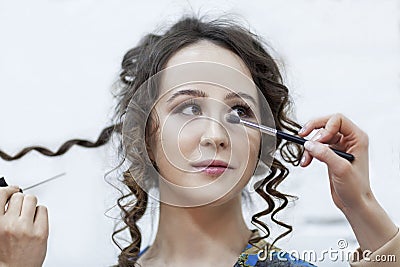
232, 118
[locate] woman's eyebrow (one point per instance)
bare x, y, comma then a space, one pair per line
199, 93
196, 93
240, 95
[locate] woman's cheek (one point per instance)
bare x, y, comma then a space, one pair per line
189, 145
254, 147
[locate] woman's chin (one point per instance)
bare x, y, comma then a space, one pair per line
206, 191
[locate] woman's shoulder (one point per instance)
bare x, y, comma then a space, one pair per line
253, 256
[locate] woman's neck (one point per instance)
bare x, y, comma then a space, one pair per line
197, 234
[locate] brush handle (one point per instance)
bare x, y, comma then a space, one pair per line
301, 141
3, 182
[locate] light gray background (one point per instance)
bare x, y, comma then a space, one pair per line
58, 60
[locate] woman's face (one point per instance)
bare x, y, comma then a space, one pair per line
201, 158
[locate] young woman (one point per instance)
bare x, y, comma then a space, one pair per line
174, 135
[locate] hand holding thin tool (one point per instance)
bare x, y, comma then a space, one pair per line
268, 130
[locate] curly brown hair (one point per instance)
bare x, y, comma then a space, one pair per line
149, 57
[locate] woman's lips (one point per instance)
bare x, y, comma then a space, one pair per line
212, 167
212, 170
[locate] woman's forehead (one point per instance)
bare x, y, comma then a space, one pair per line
207, 67
208, 51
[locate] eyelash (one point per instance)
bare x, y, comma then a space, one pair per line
192, 102
247, 109
188, 103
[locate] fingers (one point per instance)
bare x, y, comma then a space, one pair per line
336, 123
41, 221
15, 204
22, 206
29, 207
322, 136
24, 229
324, 153
327, 137
5, 194
333, 130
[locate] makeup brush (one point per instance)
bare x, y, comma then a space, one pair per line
268, 130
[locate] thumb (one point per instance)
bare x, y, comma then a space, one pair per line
325, 154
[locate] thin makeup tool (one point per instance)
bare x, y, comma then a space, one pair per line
268, 130
3, 182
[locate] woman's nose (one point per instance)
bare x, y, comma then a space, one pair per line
215, 135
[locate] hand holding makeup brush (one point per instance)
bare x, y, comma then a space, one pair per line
23, 229
349, 181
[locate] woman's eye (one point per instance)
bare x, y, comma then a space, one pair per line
242, 111
191, 110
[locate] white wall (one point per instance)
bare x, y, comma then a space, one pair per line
58, 60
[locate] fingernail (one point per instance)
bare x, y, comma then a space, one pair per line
17, 187
304, 128
317, 137
308, 145
303, 160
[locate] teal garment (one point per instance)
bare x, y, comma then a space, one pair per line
249, 257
